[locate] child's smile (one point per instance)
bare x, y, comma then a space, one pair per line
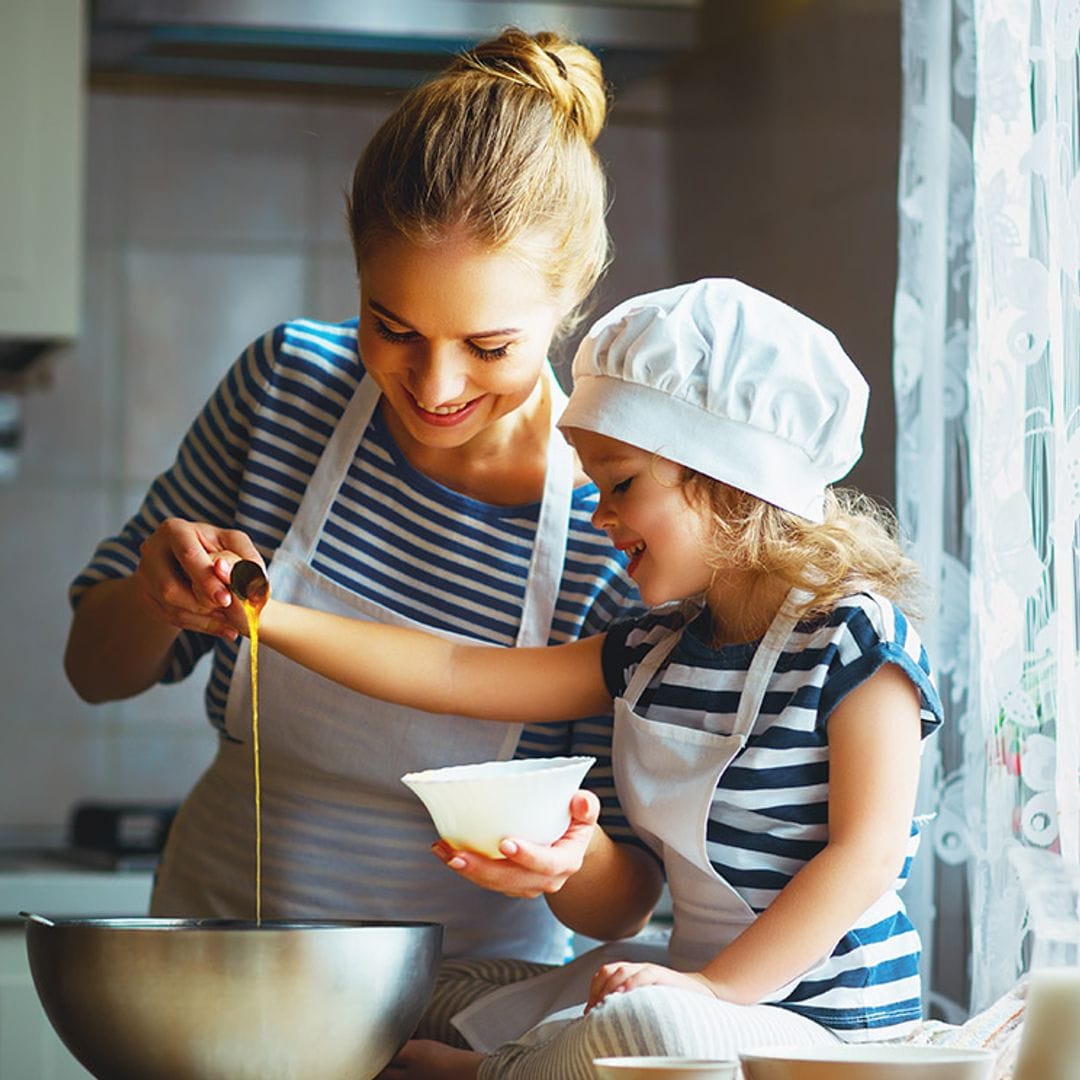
633, 553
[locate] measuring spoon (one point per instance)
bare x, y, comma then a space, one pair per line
247, 581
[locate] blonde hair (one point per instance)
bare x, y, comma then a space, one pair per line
855, 548
501, 145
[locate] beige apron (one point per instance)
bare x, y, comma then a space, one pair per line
342, 836
666, 777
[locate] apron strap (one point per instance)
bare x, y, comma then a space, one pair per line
649, 666
764, 662
303, 536
552, 527
758, 675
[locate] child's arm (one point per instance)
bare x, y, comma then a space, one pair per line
425, 671
874, 742
607, 890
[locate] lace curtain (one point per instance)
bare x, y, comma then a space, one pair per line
987, 379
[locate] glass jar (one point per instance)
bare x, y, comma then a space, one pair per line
1050, 1041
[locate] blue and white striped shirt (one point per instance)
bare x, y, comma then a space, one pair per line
393, 535
769, 814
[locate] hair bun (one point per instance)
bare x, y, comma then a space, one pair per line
567, 72
498, 146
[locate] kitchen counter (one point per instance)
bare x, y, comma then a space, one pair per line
52, 884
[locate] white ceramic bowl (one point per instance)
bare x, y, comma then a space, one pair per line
664, 1068
475, 807
878, 1061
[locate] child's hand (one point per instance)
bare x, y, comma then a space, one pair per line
234, 615
619, 977
530, 870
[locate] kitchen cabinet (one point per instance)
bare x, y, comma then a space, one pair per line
42, 67
29, 1048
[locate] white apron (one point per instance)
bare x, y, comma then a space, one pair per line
666, 777
342, 836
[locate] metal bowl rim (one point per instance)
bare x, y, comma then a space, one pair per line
149, 923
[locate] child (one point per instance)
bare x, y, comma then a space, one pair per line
769, 710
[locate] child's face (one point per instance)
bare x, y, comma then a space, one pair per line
644, 510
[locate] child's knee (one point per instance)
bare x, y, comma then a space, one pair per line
649, 1020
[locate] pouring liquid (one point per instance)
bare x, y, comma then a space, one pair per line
251, 611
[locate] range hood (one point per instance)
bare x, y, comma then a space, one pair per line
366, 44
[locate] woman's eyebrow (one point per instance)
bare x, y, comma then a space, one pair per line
506, 331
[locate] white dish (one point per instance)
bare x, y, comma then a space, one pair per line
664, 1068
475, 807
871, 1061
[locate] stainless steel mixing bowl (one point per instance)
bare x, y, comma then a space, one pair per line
206, 999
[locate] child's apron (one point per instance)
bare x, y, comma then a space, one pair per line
666, 777
342, 836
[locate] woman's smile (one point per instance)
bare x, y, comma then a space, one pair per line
445, 415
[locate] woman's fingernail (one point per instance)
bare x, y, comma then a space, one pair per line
457, 863
508, 847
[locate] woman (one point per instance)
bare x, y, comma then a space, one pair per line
377, 467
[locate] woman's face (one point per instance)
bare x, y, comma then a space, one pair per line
454, 334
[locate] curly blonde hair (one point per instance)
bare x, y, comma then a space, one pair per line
499, 145
856, 547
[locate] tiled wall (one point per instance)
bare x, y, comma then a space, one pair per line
208, 219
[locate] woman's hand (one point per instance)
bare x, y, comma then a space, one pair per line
182, 577
619, 977
530, 870
124, 629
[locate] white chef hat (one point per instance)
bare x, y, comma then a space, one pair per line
729, 381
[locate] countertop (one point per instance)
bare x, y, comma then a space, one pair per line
50, 883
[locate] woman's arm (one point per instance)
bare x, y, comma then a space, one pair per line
614, 892
425, 671
158, 577
874, 743
114, 649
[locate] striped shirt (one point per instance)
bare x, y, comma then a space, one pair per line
393, 535
769, 814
